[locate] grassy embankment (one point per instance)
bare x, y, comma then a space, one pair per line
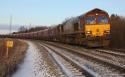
16, 54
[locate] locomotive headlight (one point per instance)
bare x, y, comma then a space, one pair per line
88, 32
107, 31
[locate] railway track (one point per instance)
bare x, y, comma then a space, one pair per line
119, 51
107, 55
111, 52
70, 67
105, 63
117, 57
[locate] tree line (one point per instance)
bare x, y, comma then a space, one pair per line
23, 29
117, 31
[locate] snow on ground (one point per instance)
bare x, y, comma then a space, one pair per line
33, 65
93, 66
60, 61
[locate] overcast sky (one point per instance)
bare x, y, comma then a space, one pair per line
49, 12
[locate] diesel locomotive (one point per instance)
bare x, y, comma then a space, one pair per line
91, 29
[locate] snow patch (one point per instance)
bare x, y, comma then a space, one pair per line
33, 65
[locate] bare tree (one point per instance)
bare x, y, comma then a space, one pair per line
117, 31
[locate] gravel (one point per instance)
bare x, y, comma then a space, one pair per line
103, 70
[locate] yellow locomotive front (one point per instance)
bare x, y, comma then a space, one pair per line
97, 28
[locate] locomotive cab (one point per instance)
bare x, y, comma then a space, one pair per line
97, 28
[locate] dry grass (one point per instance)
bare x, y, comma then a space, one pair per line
8, 64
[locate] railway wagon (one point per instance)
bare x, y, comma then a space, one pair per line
15, 35
23, 35
53, 33
45, 35
35, 35
91, 29
28, 36
39, 35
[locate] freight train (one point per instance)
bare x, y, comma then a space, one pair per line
91, 29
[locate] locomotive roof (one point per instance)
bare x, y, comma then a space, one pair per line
96, 10
77, 18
